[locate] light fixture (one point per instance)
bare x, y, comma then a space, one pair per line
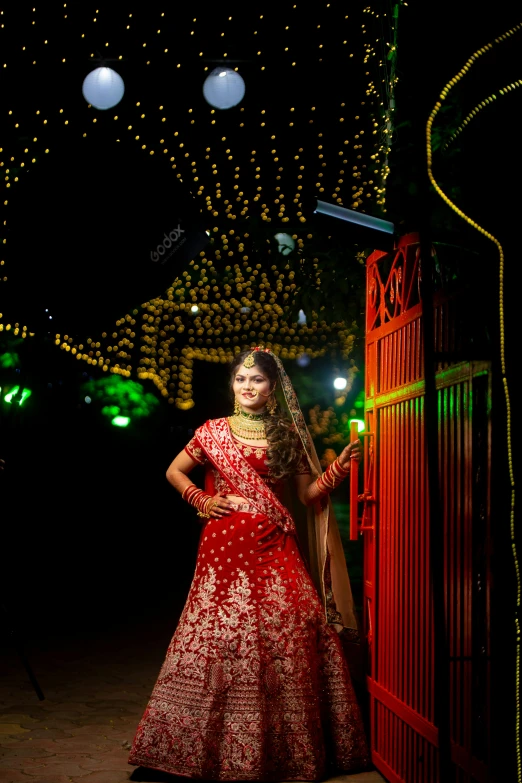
352, 226
351, 216
285, 243
103, 88
121, 421
15, 395
360, 424
340, 383
223, 88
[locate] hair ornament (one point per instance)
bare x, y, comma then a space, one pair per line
250, 360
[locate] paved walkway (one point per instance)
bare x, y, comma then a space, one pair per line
95, 691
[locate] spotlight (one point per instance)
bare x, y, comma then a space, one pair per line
340, 383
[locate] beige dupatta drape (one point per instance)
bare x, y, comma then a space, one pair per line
320, 538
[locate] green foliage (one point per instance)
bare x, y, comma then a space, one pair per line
328, 271
9, 347
330, 279
120, 397
408, 192
9, 359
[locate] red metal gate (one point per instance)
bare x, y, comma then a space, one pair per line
395, 520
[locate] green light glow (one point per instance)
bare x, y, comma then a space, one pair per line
25, 394
360, 424
121, 421
9, 396
13, 393
359, 400
9, 359
120, 398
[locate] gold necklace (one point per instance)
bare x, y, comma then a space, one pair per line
249, 426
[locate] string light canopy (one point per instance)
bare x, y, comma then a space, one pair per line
312, 119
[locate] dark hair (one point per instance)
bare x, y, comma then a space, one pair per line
283, 440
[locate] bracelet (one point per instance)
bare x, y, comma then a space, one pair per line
200, 500
326, 483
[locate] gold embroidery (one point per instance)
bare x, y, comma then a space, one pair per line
195, 451
208, 717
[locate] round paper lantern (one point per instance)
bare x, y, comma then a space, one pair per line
223, 88
103, 88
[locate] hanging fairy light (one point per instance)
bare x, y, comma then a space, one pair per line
242, 298
103, 88
223, 88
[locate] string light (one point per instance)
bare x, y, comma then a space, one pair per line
472, 61
241, 285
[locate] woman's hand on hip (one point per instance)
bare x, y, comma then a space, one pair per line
221, 507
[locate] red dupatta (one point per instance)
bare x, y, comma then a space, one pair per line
220, 448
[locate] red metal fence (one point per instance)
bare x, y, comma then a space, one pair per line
398, 597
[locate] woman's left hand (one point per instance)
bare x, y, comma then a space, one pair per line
352, 451
221, 507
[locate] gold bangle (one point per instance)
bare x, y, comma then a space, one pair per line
202, 502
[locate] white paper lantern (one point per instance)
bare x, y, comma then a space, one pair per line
103, 88
223, 88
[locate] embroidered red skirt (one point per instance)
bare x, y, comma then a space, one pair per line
254, 685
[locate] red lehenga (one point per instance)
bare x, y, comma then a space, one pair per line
254, 685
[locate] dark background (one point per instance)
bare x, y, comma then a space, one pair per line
92, 535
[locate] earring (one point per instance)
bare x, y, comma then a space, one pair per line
237, 409
271, 405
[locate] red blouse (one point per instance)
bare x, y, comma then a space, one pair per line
256, 457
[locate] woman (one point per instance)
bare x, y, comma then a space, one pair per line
254, 685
